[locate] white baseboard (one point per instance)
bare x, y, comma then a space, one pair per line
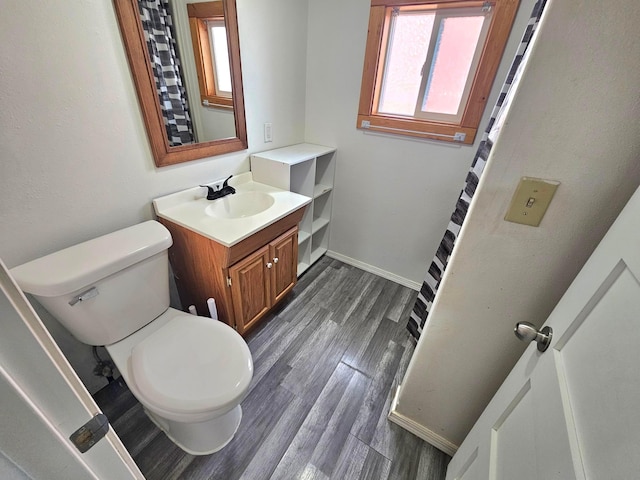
420, 430
378, 271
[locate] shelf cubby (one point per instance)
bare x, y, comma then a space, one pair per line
319, 243
309, 170
320, 189
303, 236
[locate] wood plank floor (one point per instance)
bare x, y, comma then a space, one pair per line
326, 362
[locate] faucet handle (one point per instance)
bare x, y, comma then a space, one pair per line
211, 192
227, 187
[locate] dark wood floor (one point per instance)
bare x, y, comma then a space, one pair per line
326, 365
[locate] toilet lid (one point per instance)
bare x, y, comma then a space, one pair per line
191, 364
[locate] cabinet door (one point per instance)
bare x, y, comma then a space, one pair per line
251, 288
284, 259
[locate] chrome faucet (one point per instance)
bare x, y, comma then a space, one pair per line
223, 191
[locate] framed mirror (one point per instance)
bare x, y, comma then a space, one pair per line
168, 108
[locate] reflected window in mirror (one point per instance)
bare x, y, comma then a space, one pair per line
209, 38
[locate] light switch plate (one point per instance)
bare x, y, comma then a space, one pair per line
531, 200
268, 132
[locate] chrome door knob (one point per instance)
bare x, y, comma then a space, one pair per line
275, 259
527, 332
269, 265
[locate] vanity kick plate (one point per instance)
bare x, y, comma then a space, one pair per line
531, 200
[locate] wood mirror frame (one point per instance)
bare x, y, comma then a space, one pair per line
136, 48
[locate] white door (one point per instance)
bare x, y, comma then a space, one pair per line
43, 402
573, 412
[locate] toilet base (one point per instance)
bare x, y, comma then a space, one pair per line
200, 438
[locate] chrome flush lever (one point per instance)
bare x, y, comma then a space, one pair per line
86, 295
527, 332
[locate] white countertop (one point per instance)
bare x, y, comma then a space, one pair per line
295, 153
187, 208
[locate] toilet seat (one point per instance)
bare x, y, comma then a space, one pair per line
191, 365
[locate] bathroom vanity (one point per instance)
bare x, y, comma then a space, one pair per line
241, 250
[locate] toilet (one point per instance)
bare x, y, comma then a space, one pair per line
189, 373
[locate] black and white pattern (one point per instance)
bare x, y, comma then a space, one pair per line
439, 263
157, 24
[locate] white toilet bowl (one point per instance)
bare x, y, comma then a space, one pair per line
190, 373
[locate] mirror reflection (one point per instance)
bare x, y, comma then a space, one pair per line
189, 56
188, 80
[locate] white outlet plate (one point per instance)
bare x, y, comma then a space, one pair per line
268, 132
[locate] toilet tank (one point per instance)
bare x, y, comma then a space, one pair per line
104, 289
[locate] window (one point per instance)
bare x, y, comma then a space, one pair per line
429, 65
209, 38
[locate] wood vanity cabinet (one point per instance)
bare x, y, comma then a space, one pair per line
263, 278
246, 279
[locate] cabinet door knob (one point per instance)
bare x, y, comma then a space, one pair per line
275, 259
269, 265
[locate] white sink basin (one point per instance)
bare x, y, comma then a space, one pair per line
231, 219
240, 205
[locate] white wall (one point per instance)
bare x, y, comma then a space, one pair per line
75, 161
574, 118
393, 195
9, 471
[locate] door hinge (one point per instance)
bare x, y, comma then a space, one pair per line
228, 281
90, 433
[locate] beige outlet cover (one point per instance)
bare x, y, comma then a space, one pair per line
531, 200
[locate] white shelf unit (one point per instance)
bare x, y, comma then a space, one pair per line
309, 170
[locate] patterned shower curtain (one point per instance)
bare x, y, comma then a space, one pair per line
157, 24
439, 263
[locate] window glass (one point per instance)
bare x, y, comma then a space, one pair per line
218, 37
430, 61
456, 45
406, 53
